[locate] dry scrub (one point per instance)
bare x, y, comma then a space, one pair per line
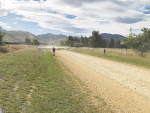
13, 48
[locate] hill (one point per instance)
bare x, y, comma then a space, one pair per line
52, 38
114, 36
19, 36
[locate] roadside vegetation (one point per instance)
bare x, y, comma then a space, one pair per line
121, 55
139, 42
33, 81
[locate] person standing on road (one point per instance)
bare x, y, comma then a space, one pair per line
53, 51
104, 52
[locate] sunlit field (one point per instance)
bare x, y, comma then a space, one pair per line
121, 55
33, 81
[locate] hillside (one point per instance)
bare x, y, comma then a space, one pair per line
114, 36
52, 37
19, 36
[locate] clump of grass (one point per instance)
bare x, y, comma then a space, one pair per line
3, 49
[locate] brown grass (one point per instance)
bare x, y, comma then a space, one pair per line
13, 48
117, 51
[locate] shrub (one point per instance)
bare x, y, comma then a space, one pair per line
3, 50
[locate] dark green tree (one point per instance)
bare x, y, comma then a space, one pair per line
117, 43
86, 42
70, 41
104, 43
35, 42
91, 41
95, 40
76, 39
112, 43
2, 34
27, 41
82, 40
140, 42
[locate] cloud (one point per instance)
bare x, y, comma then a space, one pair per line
128, 20
81, 16
8, 27
4, 25
14, 22
39, 29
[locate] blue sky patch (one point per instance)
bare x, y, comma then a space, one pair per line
147, 8
104, 22
70, 16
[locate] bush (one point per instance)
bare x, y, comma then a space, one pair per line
3, 50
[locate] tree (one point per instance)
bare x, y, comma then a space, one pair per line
82, 40
62, 43
117, 43
91, 41
35, 42
104, 43
95, 40
27, 41
2, 34
112, 43
70, 41
140, 42
77, 44
86, 42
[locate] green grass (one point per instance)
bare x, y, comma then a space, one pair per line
33, 81
120, 55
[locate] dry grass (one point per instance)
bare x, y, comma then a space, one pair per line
116, 51
120, 55
13, 48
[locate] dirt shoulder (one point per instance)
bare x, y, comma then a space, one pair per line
125, 88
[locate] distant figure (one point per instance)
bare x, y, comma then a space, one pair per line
104, 52
53, 51
1, 111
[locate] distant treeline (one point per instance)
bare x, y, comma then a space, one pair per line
96, 41
15, 43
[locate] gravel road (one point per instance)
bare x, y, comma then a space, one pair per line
125, 88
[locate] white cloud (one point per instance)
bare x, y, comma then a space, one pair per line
4, 25
14, 22
39, 29
8, 27
112, 16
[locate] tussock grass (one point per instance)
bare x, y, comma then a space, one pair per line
3, 49
32, 81
13, 48
120, 55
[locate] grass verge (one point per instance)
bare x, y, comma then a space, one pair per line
120, 55
32, 81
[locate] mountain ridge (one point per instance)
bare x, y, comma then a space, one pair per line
48, 38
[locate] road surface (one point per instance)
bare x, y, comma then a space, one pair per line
125, 88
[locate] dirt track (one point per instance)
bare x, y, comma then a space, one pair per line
124, 87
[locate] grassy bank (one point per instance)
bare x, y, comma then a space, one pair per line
32, 81
120, 55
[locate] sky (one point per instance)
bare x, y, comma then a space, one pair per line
75, 17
